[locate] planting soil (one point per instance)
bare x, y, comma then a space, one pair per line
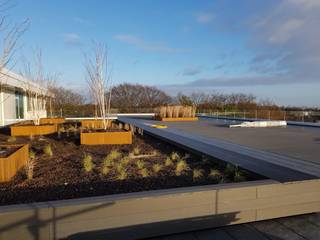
64, 169
6, 151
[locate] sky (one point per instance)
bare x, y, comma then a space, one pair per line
267, 48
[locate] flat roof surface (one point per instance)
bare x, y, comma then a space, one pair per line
304, 227
293, 141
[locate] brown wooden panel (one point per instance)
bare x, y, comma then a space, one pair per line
11, 164
33, 130
101, 138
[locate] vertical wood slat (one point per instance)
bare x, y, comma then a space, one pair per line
10, 165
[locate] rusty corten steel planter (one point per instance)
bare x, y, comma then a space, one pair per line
178, 119
33, 130
11, 164
52, 120
101, 138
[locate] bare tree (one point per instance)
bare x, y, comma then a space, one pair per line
37, 86
100, 81
9, 36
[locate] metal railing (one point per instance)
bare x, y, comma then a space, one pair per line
302, 116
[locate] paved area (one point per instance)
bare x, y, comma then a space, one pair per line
304, 227
293, 141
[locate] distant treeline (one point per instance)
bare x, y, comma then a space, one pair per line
128, 97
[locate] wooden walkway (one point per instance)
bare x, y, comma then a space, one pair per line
304, 227
274, 166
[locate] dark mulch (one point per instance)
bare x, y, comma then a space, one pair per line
6, 151
62, 175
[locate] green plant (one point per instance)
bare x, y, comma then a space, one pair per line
168, 162
136, 151
174, 156
87, 163
105, 170
215, 174
11, 139
48, 150
125, 160
144, 172
181, 167
122, 175
230, 169
114, 154
121, 167
197, 174
109, 159
32, 154
157, 167
238, 176
140, 164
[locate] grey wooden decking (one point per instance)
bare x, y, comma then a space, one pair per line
304, 227
274, 166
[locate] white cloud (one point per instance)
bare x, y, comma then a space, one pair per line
286, 39
146, 46
204, 17
71, 38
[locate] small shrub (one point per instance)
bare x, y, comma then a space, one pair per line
125, 160
215, 174
109, 159
181, 167
144, 172
11, 139
121, 167
197, 174
238, 176
32, 154
136, 151
87, 163
122, 175
230, 169
105, 170
157, 167
174, 156
48, 151
114, 154
168, 162
140, 164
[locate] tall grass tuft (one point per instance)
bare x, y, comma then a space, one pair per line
144, 172
11, 139
168, 162
48, 150
157, 168
140, 164
87, 163
181, 167
197, 174
136, 151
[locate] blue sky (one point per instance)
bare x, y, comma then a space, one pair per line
267, 48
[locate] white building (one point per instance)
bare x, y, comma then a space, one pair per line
14, 100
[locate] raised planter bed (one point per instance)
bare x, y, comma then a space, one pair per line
94, 123
13, 157
178, 119
52, 120
33, 130
103, 138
